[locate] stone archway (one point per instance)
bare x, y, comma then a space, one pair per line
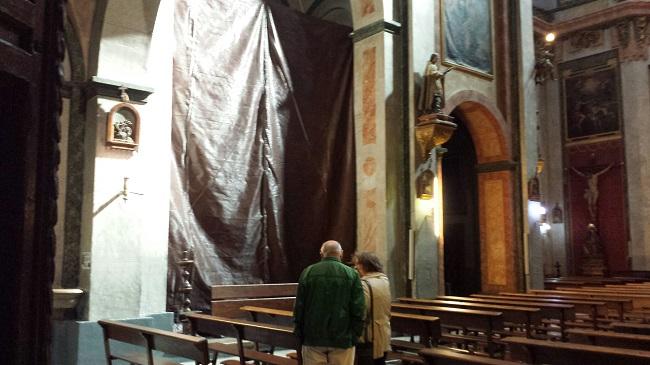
500, 258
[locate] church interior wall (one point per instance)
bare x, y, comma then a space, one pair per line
550, 135
129, 232
534, 241
636, 109
425, 39
632, 62
125, 240
124, 234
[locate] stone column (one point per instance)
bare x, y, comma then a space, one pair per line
379, 135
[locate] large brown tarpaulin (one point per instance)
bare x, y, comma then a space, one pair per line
263, 143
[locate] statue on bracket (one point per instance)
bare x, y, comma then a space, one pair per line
433, 128
432, 95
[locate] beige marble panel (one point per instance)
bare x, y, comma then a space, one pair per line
365, 12
369, 222
495, 234
369, 98
370, 141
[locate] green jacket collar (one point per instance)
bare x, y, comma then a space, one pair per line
330, 258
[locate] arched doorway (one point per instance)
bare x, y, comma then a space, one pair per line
495, 176
462, 255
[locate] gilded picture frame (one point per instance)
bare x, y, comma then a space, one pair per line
466, 36
592, 105
123, 127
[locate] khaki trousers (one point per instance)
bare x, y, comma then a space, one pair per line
319, 355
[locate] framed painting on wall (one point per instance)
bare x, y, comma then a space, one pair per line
467, 35
592, 105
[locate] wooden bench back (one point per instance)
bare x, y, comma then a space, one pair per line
562, 353
220, 292
426, 327
227, 299
270, 334
441, 356
152, 339
491, 320
608, 338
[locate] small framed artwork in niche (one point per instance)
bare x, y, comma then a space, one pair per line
467, 35
123, 127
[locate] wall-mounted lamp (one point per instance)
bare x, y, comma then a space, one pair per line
557, 215
544, 227
549, 37
425, 185
533, 189
538, 215
545, 59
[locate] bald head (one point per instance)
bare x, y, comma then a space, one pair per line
331, 249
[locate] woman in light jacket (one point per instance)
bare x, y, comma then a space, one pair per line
376, 289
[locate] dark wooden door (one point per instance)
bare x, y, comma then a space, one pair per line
462, 243
30, 54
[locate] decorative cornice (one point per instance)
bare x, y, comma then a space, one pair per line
387, 26
597, 19
110, 88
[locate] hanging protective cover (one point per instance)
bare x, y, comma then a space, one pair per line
263, 168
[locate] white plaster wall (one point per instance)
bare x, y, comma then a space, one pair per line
536, 243
425, 39
129, 237
550, 119
635, 82
528, 87
126, 36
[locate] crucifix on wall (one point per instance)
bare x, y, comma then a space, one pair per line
591, 192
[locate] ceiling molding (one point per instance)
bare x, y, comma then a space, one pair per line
597, 19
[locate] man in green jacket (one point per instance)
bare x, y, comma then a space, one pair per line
329, 309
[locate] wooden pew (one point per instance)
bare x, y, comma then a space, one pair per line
227, 299
626, 327
245, 330
269, 315
152, 339
426, 328
594, 308
555, 284
638, 300
442, 356
586, 313
607, 338
563, 353
561, 313
488, 322
617, 304
517, 315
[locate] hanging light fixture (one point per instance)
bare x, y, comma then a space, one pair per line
557, 215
